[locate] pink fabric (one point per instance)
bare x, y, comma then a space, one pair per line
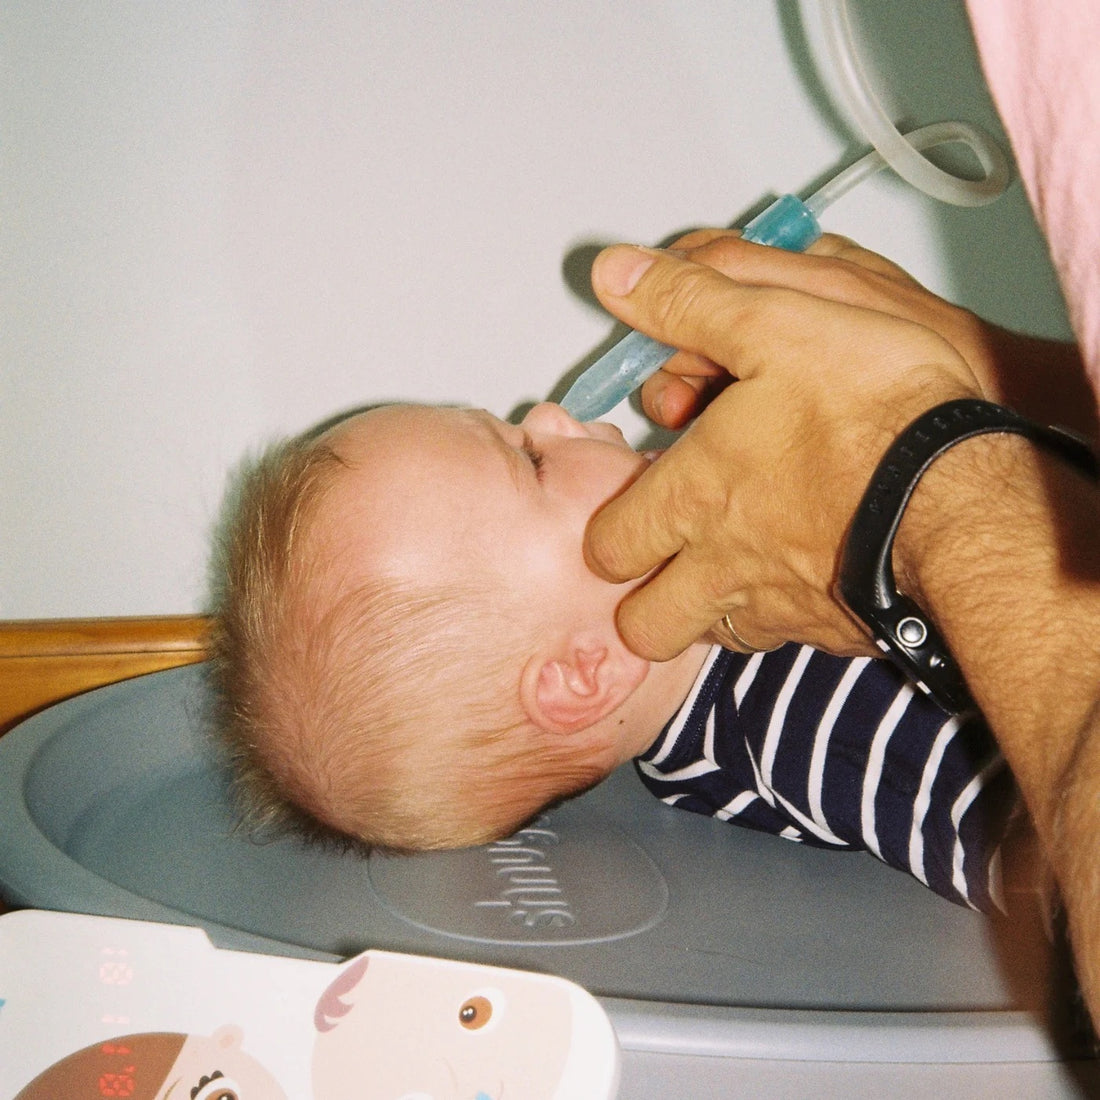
1042, 62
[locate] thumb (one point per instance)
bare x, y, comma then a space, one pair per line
687, 305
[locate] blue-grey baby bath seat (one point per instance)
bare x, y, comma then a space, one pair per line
731, 963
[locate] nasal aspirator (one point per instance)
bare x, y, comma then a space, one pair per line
792, 224
789, 223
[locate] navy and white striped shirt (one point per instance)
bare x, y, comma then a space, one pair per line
842, 753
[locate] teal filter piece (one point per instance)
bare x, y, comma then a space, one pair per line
788, 223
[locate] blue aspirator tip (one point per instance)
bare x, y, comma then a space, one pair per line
788, 224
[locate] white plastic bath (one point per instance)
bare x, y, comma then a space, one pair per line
730, 963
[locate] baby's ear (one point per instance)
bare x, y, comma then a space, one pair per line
570, 692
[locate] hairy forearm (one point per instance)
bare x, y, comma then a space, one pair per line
1073, 854
1001, 544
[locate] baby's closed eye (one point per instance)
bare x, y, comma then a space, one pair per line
533, 454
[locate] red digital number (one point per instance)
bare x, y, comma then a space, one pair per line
116, 973
117, 1084
114, 1048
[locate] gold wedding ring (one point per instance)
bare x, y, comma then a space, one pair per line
746, 646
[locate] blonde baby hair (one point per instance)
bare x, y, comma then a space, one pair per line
382, 714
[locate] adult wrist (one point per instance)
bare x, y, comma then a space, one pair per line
884, 567
968, 489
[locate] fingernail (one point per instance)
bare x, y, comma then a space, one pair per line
618, 269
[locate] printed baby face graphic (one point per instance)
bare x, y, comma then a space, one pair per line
395, 1027
159, 1066
215, 1068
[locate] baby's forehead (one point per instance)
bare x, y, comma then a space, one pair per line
408, 470
361, 426
407, 429
382, 453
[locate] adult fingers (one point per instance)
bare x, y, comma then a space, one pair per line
834, 268
663, 617
674, 396
718, 317
687, 383
689, 305
751, 262
667, 306
638, 530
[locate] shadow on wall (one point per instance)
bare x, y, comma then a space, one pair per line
924, 65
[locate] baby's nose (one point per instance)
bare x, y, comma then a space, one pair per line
552, 418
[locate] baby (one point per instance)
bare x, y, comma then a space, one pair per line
412, 654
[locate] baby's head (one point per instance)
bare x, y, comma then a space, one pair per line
412, 652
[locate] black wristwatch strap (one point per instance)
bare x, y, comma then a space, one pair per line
901, 629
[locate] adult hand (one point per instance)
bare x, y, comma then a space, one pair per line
1044, 379
818, 361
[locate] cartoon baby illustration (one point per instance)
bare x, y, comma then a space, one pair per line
396, 1027
158, 1066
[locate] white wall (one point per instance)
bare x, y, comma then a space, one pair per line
228, 219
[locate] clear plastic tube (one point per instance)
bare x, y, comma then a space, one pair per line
898, 153
791, 224
927, 137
